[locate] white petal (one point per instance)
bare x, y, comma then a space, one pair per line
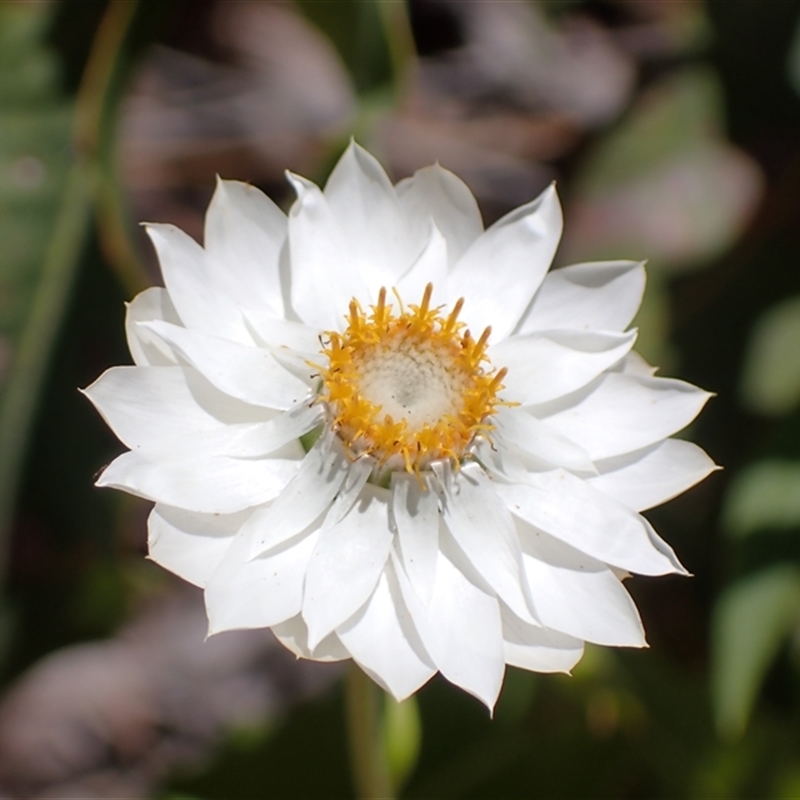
324, 276
173, 408
649, 477
484, 529
621, 413
568, 508
293, 635
346, 564
538, 649
460, 629
544, 366
381, 637
357, 474
309, 494
598, 296
364, 203
430, 267
208, 484
502, 459
434, 193
250, 374
194, 288
148, 406
259, 592
577, 594
264, 438
541, 444
147, 349
416, 516
244, 233
295, 346
634, 364
504, 267
190, 545
279, 335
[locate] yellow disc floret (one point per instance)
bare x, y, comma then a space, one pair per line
408, 387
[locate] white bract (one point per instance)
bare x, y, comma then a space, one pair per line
390, 435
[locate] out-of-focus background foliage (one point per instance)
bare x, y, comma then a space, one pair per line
673, 130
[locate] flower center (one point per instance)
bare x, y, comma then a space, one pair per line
411, 387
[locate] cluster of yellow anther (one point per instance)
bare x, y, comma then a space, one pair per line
371, 338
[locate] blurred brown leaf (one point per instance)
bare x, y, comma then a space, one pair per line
113, 718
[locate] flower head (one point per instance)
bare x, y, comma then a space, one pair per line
390, 435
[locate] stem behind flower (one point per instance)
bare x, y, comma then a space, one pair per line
367, 753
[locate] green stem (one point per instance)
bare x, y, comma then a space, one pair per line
113, 228
399, 38
367, 752
96, 94
95, 140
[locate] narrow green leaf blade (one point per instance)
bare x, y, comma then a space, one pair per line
764, 495
44, 215
752, 619
771, 372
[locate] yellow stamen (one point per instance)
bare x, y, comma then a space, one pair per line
450, 323
408, 387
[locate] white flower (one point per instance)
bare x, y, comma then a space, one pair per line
333, 455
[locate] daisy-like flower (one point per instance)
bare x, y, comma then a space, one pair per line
390, 435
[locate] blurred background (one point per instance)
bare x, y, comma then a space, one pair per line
673, 130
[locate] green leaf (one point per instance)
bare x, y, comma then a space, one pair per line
28, 72
664, 185
668, 121
751, 620
44, 215
771, 372
787, 785
50, 159
355, 29
764, 495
